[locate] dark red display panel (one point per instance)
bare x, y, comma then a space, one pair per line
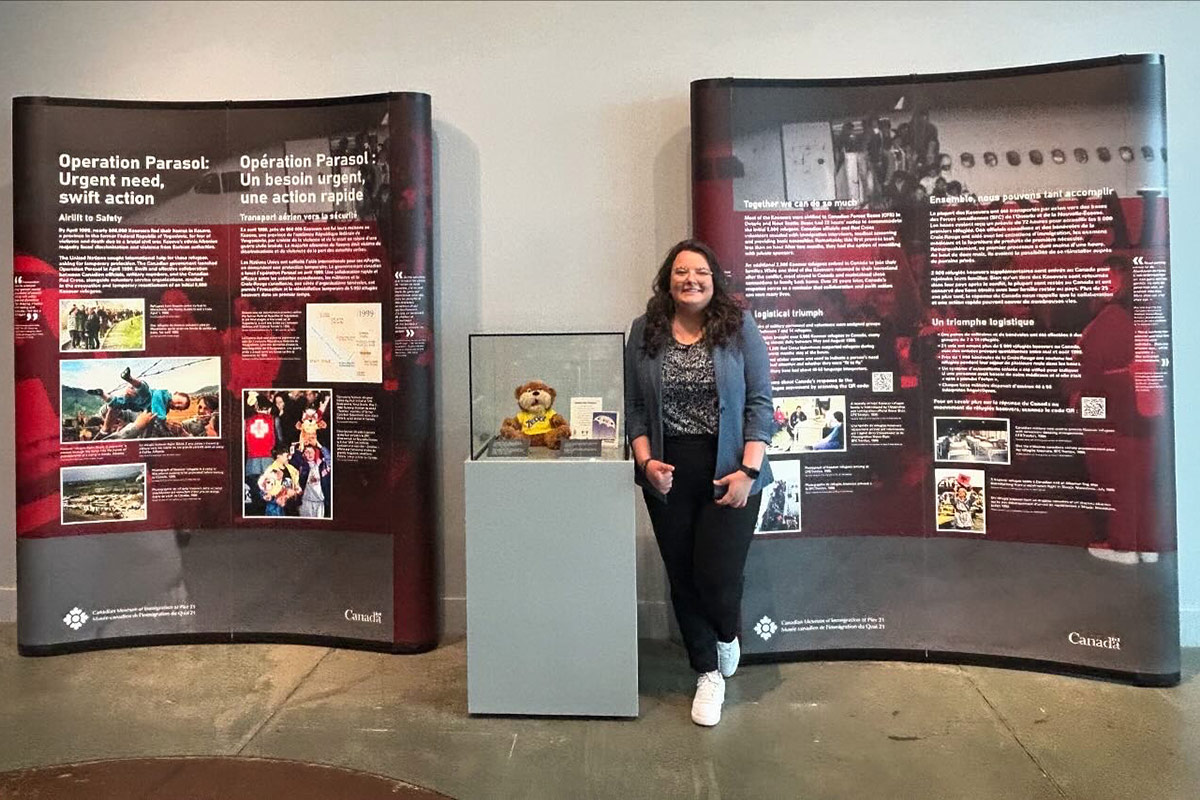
224, 371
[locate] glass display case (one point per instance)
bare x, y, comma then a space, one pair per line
548, 395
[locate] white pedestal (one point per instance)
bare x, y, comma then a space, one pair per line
551, 588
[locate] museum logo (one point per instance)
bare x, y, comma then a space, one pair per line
1108, 643
766, 628
373, 617
76, 618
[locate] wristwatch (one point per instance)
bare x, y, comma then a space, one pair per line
751, 471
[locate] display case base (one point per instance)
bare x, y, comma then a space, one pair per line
551, 588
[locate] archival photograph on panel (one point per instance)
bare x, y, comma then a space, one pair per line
287, 453
960, 501
975, 440
779, 511
140, 398
894, 145
809, 423
106, 493
108, 325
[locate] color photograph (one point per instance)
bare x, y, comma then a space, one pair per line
960, 500
140, 398
107, 325
287, 453
779, 511
108, 493
808, 423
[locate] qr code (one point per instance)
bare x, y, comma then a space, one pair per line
1092, 408
881, 382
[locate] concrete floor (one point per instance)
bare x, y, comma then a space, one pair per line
811, 730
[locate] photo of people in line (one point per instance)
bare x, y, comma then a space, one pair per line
110, 325
288, 453
140, 398
960, 501
975, 440
779, 511
108, 493
809, 423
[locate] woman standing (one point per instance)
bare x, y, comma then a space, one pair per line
699, 416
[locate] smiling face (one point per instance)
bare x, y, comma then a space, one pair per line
691, 284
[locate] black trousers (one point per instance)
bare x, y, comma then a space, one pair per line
703, 546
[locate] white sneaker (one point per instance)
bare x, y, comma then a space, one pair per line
1118, 556
710, 696
1147, 557
728, 656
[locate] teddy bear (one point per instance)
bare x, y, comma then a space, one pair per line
310, 422
278, 484
536, 421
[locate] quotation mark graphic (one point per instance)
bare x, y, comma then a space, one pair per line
766, 628
75, 618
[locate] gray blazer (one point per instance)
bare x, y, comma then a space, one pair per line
745, 413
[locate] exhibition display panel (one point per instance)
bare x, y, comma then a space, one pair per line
551, 557
963, 281
224, 372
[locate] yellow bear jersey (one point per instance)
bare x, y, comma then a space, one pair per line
534, 422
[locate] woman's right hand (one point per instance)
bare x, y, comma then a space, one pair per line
660, 475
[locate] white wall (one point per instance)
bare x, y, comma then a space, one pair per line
562, 145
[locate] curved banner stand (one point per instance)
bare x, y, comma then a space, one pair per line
963, 280
224, 372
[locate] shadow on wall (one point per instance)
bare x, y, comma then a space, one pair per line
673, 190
458, 267
8, 567
672, 222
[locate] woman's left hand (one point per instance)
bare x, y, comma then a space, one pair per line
737, 489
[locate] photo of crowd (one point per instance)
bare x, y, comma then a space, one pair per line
140, 398
110, 325
779, 511
288, 453
960, 501
893, 168
971, 439
809, 423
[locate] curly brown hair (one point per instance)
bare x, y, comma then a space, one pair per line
722, 315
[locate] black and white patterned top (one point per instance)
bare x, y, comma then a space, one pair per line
689, 387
